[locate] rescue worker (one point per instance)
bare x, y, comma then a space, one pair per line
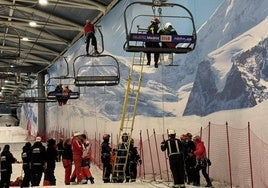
26, 159
59, 149
78, 148
106, 158
190, 161
67, 159
122, 160
168, 30
86, 158
52, 155
89, 33
175, 151
200, 153
38, 161
58, 93
7, 159
134, 161
153, 29
65, 94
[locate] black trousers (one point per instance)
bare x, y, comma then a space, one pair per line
176, 163
107, 170
5, 179
27, 177
91, 36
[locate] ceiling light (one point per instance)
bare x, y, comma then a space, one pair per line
43, 2
32, 24
25, 39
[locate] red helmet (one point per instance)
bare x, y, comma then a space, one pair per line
155, 20
106, 137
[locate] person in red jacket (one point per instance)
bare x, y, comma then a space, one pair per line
78, 148
89, 33
200, 154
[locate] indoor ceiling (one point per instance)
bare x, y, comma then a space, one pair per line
26, 50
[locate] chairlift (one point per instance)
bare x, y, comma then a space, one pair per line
177, 13
10, 42
34, 95
102, 70
52, 83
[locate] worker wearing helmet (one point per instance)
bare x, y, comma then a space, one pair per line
105, 158
153, 29
168, 30
175, 151
190, 161
122, 159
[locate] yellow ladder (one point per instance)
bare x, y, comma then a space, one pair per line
128, 116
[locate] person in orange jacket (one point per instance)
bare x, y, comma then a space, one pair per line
86, 158
78, 148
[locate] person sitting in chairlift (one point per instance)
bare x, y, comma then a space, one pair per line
65, 94
58, 93
168, 30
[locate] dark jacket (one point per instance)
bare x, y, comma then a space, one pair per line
26, 156
7, 159
173, 146
105, 152
38, 155
67, 152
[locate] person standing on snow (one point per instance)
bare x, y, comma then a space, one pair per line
7, 159
134, 160
38, 161
175, 152
86, 158
190, 161
200, 153
89, 33
26, 159
78, 148
52, 155
67, 159
106, 158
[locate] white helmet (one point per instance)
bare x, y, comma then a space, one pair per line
167, 25
171, 131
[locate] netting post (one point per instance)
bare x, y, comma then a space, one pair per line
142, 156
157, 153
99, 162
166, 159
250, 157
149, 144
229, 156
208, 150
95, 146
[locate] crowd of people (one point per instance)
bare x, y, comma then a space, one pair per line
186, 158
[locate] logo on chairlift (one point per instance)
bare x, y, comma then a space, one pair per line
166, 38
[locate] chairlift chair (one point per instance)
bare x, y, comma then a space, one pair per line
92, 73
10, 42
52, 81
135, 41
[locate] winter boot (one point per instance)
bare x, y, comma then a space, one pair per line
91, 179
